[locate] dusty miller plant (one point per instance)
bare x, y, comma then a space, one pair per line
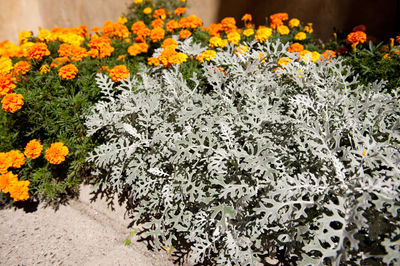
261, 161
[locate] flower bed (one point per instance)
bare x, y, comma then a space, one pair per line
236, 143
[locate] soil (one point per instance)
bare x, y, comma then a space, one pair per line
79, 233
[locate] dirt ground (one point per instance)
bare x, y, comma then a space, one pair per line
80, 233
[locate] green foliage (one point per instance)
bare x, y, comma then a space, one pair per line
286, 163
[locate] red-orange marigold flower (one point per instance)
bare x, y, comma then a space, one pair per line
247, 17
6, 84
160, 13
22, 67
119, 72
68, 71
280, 16
56, 153
356, 37
360, 28
12, 102
33, 149
38, 50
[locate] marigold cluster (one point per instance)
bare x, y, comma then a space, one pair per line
68, 71
56, 153
18, 190
170, 57
100, 47
277, 19
160, 13
138, 48
74, 52
119, 72
12, 102
115, 30
190, 22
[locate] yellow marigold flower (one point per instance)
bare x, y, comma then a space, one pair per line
122, 20
46, 35
247, 17
33, 149
138, 2
179, 11
217, 42
44, 69
119, 72
37, 51
6, 84
68, 71
17, 158
23, 36
183, 34
5, 162
6, 179
294, 22
263, 33
5, 65
121, 57
295, 47
300, 36
56, 153
283, 62
153, 61
283, 30
147, 10
157, 34
19, 190
22, 67
309, 28
12, 102
262, 57
387, 57
233, 37
248, 32
206, 55
242, 49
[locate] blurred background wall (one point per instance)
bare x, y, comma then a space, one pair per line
381, 17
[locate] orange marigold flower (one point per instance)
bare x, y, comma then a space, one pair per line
398, 39
172, 25
19, 190
191, 22
179, 11
295, 47
157, 23
6, 84
5, 162
360, 28
328, 54
100, 47
171, 57
33, 149
275, 23
75, 52
17, 158
138, 26
356, 37
157, 34
38, 50
68, 71
228, 24
215, 29
119, 72
309, 28
247, 17
160, 13
153, 61
183, 34
56, 153
280, 16
22, 67
95, 29
138, 48
169, 42
12, 102
6, 179
117, 30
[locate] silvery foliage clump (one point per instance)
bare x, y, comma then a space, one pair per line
260, 161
